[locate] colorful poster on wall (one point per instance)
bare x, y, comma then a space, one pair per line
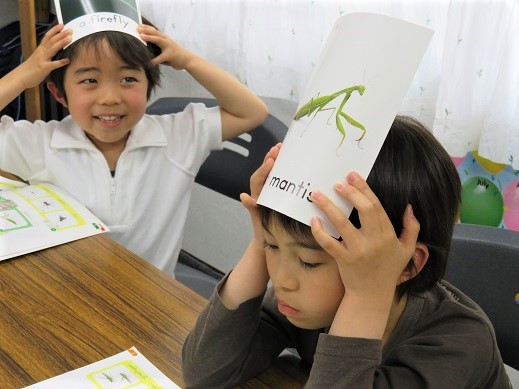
490, 192
351, 100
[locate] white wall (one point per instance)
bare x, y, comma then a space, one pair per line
8, 11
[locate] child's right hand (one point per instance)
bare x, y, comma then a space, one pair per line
371, 259
40, 64
257, 181
250, 276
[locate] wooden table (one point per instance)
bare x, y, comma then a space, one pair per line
71, 305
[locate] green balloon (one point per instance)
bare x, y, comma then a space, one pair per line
481, 202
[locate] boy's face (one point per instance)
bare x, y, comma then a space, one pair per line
105, 96
305, 278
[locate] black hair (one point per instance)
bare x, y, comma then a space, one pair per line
129, 49
411, 168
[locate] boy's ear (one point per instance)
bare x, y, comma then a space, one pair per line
416, 264
60, 98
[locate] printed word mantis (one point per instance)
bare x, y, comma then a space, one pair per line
319, 103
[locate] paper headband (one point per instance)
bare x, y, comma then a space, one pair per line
351, 100
86, 17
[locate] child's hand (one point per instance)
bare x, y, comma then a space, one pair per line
370, 259
250, 276
257, 181
40, 64
172, 53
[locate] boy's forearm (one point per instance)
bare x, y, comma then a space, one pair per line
11, 85
248, 279
242, 109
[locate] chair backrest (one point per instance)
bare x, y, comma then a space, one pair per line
484, 264
228, 171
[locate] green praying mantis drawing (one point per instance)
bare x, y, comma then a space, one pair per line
317, 104
7, 218
125, 377
107, 377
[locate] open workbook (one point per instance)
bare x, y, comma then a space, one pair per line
128, 369
34, 217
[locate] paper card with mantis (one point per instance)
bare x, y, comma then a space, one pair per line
322, 103
346, 111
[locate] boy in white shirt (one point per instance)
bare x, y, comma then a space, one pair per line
134, 171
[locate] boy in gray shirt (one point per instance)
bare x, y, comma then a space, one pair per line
367, 310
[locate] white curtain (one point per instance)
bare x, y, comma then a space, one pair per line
466, 89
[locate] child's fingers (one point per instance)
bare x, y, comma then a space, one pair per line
59, 37
155, 37
53, 31
52, 43
161, 41
160, 59
331, 245
273, 152
358, 182
259, 177
335, 216
146, 29
166, 54
53, 65
59, 41
248, 202
152, 38
371, 213
410, 229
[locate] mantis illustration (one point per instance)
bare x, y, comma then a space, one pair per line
125, 377
6, 217
319, 103
107, 377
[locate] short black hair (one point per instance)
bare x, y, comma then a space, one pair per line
411, 168
131, 51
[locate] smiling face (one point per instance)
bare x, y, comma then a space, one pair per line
305, 278
104, 95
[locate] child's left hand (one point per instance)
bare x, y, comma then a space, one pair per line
371, 259
172, 54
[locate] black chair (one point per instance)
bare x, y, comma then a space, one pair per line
484, 264
225, 171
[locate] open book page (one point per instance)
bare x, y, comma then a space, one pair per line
129, 369
34, 217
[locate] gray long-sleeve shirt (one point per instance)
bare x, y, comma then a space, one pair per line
442, 340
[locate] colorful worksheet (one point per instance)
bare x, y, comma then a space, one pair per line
129, 369
34, 217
